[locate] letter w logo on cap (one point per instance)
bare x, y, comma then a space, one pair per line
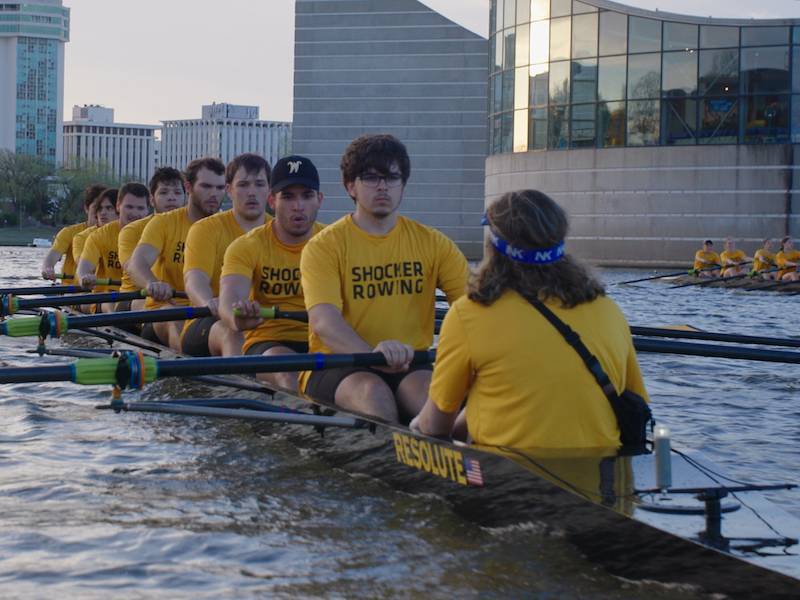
294, 166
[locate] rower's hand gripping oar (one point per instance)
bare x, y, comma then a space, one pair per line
10, 304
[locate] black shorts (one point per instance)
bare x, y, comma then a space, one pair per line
194, 341
322, 385
123, 306
260, 347
149, 333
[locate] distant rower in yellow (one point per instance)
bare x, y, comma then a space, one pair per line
764, 261
247, 185
105, 211
166, 193
733, 261
100, 258
705, 260
157, 262
787, 260
62, 245
518, 393
262, 268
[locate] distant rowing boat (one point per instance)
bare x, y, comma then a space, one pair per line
744, 283
702, 531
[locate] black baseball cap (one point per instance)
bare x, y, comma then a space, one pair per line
294, 170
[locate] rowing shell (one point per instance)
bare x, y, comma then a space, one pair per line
603, 503
744, 283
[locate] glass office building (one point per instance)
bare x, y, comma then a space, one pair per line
595, 75
32, 37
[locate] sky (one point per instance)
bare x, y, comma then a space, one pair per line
154, 60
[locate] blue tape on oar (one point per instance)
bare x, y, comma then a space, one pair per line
190, 312
319, 361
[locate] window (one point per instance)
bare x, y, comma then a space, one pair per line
611, 78
584, 35
540, 42
584, 80
540, 9
719, 121
644, 76
559, 8
713, 36
765, 70
680, 73
680, 121
764, 36
613, 33
611, 124
680, 36
559, 82
767, 119
522, 51
719, 72
644, 35
582, 126
537, 134
537, 80
560, 39
643, 123
509, 45
558, 130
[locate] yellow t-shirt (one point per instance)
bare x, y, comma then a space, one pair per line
711, 257
763, 261
781, 258
100, 249
384, 286
737, 257
63, 245
526, 387
127, 240
274, 270
206, 244
167, 234
79, 240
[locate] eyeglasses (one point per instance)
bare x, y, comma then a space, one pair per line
373, 179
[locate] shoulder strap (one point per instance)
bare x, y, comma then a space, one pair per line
574, 340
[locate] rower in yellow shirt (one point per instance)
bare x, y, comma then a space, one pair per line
100, 258
787, 260
262, 268
167, 193
247, 179
370, 281
157, 263
705, 260
105, 210
733, 261
764, 261
62, 245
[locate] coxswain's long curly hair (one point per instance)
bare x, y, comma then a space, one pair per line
529, 219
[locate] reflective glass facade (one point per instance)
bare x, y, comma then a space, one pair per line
568, 74
37, 97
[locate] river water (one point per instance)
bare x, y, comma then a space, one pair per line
98, 505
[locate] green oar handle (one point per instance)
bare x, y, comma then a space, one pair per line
273, 312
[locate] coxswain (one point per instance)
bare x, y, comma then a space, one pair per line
247, 185
62, 245
157, 262
764, 261
370, 281
105, 211
787, 260
732, 260
525, 386
705, 260
167, 192
262, 268
100, 257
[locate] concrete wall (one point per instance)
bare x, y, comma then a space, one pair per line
653, 206
395, 66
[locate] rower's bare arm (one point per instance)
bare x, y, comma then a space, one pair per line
433, 421
141, 272
234, 293
328, 323
85, 274
49, 264
198, 288
453, 273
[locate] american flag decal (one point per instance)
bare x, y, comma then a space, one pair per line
473, 471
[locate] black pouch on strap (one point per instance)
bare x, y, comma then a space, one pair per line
632, 412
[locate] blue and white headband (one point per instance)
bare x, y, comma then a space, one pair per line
533, 256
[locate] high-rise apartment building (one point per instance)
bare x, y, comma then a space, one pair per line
32, 38
93, 140
224, 131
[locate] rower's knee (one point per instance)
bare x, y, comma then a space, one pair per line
368, 394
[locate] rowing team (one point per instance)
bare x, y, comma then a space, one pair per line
368, 282
766, 263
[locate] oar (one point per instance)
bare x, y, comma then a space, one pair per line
772, 286
712, 279
56, 324
714, 337
715, 351
134, 369
54, 290
677, 273
9, 304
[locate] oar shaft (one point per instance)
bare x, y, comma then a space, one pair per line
180, 313
47, 290
714, 351
675, 274
714, 337
38, 374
